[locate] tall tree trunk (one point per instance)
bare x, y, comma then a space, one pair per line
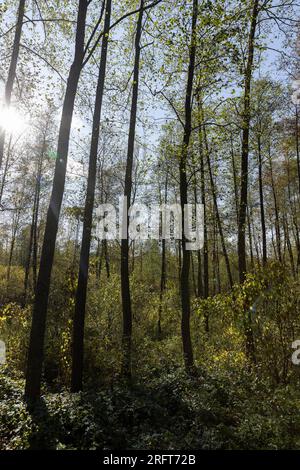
250, 237
293, 208
193, 275
244, 179
245, 147
179, 259
214, 254
29, 253
288, 244
12, 70
37, 335
125, 284
132, 255
33, 242
12, 245
234, 173
106, 257
5, 171
76, 248
276, 209
184, 279
101, 254
81, 293
217, 214
261, 201
199, 290
203, 202
205, 231
163, 269
297, 144
35, 233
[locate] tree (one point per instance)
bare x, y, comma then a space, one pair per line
125, 284
245, 144
37, 335
12, 69
79, 315
184, 278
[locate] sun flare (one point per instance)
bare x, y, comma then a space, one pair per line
12, 121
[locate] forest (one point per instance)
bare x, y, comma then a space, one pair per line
110, 110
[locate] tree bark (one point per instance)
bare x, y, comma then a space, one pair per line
205, 231
244, 178
235, 183
217, 214
245, 147
125, 284
184, 279
203, 202
81, 293
276, 209
12, 70
199, 290
163, 270
5, 171
37, 335
261, 202
297, 144
250, 238
32, 246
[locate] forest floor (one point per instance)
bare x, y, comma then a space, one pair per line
225, 409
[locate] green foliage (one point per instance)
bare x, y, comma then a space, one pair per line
231, 404
14, 331
223, 409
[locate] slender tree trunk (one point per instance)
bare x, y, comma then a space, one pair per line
295, 227
29, 254
106, 257
234, 173
261, 202
245, 147
244, 179
35, 235
141, 258
250, 238
125, 284
193, 275
5, 170
217, 214
288, 244
273, 243
81, 293
214, 256
276, 209
99, 257
163, 270
297, 144
132, 255
205, 232
184, 279
37, 335
76, 247
36, 213
199, 276
203, 202
199, 290
12, 70
12, 246
219, 287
